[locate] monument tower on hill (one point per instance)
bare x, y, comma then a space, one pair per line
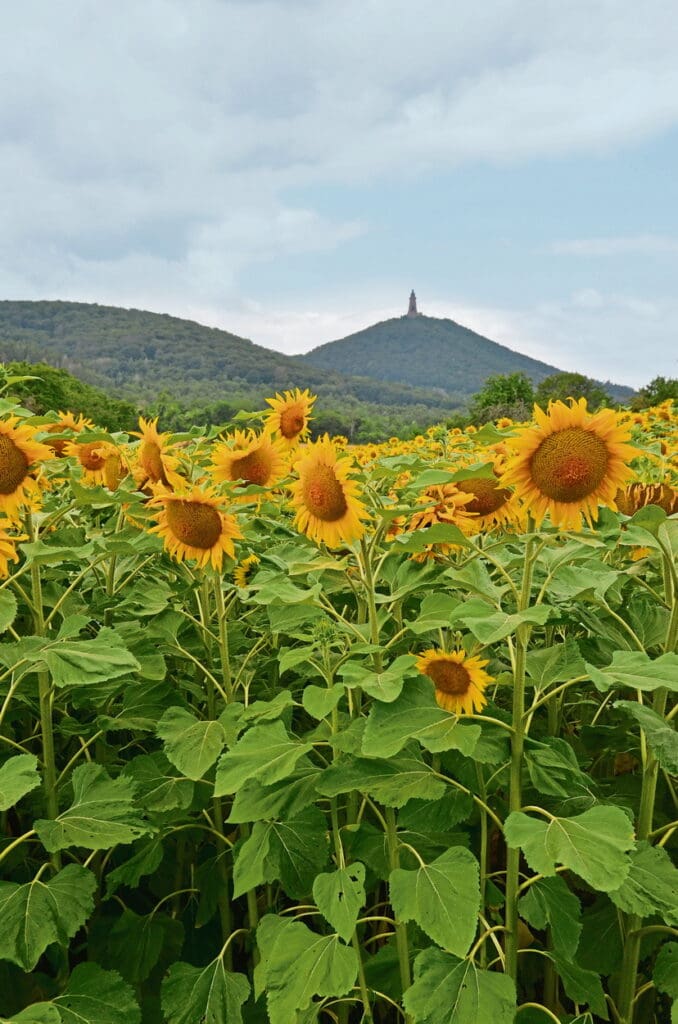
412, 311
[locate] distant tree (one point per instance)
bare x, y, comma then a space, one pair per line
504, 394
658, 390
561, 386
52, 390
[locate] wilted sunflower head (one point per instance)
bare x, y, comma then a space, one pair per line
570, 463
636, 496
249, 458
155, 462
290, 415
459, 680
195, 525
21, 457
442, 503
325, 498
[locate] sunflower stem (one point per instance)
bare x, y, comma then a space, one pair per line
402, 943
517, 746
224, 654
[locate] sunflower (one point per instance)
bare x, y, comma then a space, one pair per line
242, 570
637, 496
67, 421
195, 525
94, 457
570, 463
444, 503
490, 504
459, 681
290, 416
8, 550
21, 457
327, 501
249, 458
155, 463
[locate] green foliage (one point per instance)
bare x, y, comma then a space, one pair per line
561, 386
660, 389
56, 389
503, 394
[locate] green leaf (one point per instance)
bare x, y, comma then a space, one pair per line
651, 886
38, 1013
439, 533
594, 844
159, 786
637, 671
282, 800
339, 897
661, 737
555, 664
84, 662
582, 986
665, 975
319, 701
95, 996
416, 715
8, 610
383, 686
550, 903
145, 861
191, 745
448, 990
436, 612
102, 814
18, 776
211, 994
265, 753
570, 581
553, 768
490, 628
39, 913
600, 946
443, 897
296, 965
134, 944
391, 782
292, 851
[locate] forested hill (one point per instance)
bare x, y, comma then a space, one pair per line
429, 352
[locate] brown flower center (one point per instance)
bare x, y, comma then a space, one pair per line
150, 460
254, 468
292, 421
194, 524
570, 464
449, 677
323, 494
488, 496
13, 465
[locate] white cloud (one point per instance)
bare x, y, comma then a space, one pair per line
616, 246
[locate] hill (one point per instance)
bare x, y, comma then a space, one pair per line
429, 352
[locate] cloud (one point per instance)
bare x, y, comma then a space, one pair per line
620, 246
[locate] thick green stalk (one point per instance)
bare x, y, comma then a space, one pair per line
402, 943
517, 748
224, 654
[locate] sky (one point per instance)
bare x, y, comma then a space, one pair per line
289, 169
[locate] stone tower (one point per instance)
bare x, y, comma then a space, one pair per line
412, 310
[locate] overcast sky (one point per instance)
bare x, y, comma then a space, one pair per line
290, 169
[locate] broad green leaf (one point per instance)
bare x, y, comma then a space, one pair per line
442, 816
102, 814
38, 913
320, 701
600, 946
292, 851
211, 994
267, 710
339, 897
159, 786
661, 737
553, 768
38, 1013
416, 715
490, 628
665, 975
8, 610
570, 581
297, 964
549, 902
636, 670
95, 996
594, 844
448, 990
443, 897
84, 662
145, 861
391, 782
191, 745
265, 753
555, 664
134, 943
18, 776
383, 686
582, 986
436, 612
282, 800
439, 533
651, 886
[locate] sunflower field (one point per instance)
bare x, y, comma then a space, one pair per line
298, 732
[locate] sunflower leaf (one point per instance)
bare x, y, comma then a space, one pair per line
191, 994
8, 610
265, 753
661, 737
18, 776
549, 902
637, 671
582, 986
651, 886
448, 990
416, 715
339, 896
384, 686
95, 996
191, 745
393, 782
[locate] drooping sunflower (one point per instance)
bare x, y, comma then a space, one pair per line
636, 496
326, 499
570, 463
459, 680
195, 525
21, 458
155, 462
249, 458
290, 415
490, 505
93, 457
67, 421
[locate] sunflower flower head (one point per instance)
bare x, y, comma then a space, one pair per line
155, 462
67, 421
21, 459
636, 496
195, 525
248, 458
570, 463
290, 415
8, 552
325, 498
459, 680
242, 571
